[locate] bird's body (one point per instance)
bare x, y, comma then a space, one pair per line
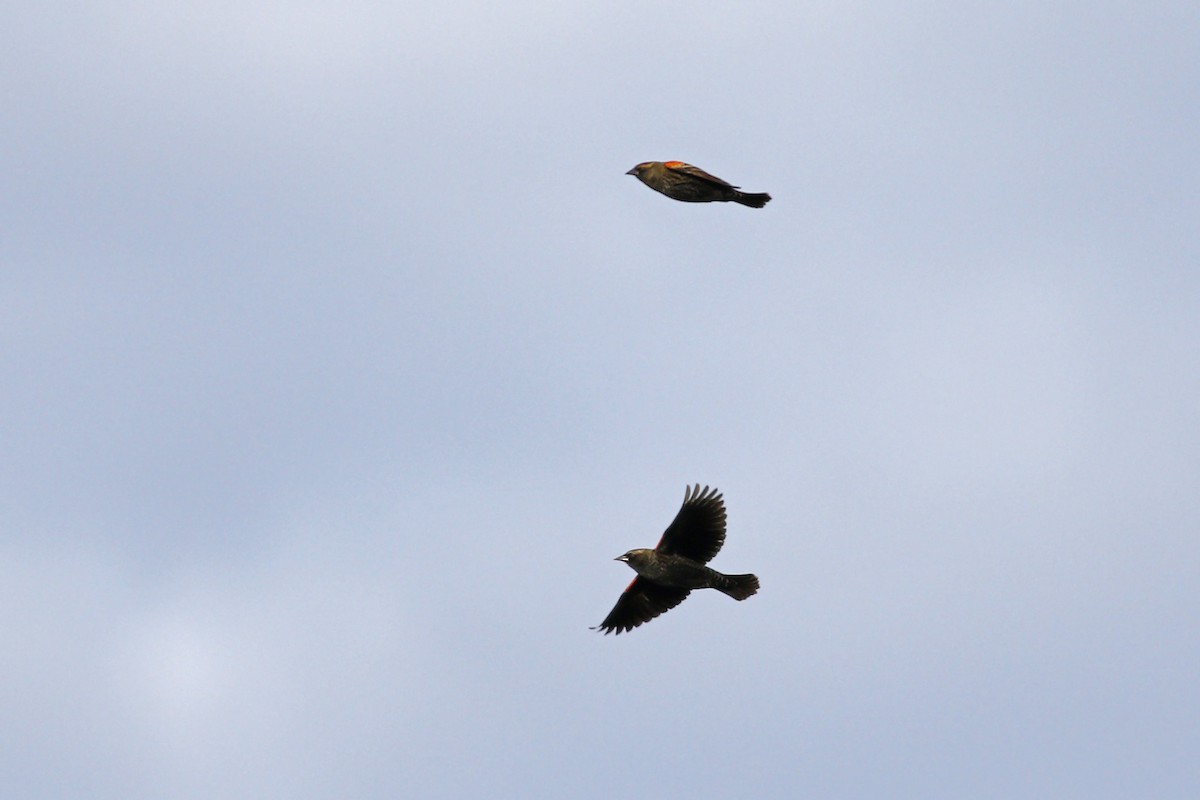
681, 572
668, 573
689, 184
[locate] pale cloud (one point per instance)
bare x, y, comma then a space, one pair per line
341, 358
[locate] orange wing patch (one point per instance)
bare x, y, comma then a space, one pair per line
674, 164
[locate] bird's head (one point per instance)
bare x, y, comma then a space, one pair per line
636, 556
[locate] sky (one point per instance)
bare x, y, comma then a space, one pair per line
339, 357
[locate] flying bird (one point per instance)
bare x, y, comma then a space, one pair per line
690, 184
669, 572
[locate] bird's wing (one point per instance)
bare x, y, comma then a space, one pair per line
641, 602
699, 528
696, 172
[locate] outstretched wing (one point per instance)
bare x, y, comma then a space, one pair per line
641, 602
696, 172
699, 528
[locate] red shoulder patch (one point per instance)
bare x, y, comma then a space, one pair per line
674, 164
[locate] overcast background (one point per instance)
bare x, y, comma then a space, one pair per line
339, 358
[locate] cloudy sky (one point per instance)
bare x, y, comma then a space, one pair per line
339, 357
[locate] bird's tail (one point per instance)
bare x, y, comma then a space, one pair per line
752, 200
739, 587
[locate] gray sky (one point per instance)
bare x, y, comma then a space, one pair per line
339, 358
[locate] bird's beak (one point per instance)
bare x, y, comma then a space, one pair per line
621, 558
632, 171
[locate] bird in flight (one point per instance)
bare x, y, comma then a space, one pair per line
690, 184
676, 566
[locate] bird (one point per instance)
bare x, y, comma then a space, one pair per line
681, 181
676, 566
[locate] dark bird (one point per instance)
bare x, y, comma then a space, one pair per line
690, 184
669, 572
